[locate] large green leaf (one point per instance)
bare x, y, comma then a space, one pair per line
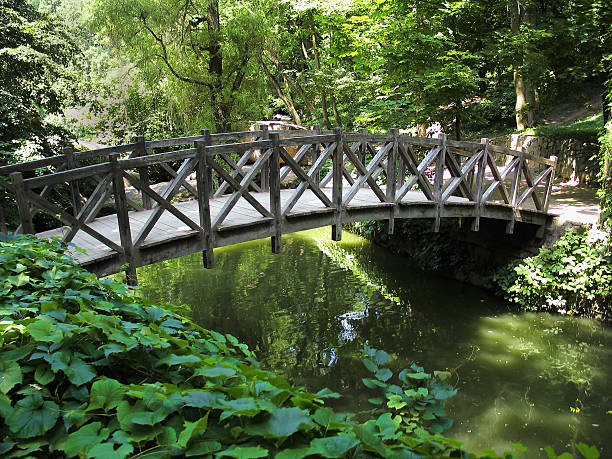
203, 399
333, 446
79, 372
41, 330
282, 423
107, 450
10, 375
203, 448
86, 437
32, 416
384, 374
246, 406
43, 374
244, 452
191, 429
216, 372
19, 280
174, 359
106, 394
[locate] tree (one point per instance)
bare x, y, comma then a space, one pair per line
206, 48
35, 50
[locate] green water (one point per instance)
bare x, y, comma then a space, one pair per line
529, 378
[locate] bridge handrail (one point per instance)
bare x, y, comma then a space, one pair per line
390, 165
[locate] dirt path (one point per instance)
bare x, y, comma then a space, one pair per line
575, 204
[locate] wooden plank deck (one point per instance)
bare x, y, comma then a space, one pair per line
244, 223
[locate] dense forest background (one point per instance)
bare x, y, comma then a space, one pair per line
108, 70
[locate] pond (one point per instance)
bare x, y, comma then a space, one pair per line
536, 379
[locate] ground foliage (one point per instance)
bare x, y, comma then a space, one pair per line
574, 276
88, 369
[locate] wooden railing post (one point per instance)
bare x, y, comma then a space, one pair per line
549, 184
439, 182
203, 188
363, 148
392, 180
480, 182
143, 172
401, 172
23, 206
209, 172
337, 157
123, 220
75, 194
275, 199
315, 154
265, 167
516, 186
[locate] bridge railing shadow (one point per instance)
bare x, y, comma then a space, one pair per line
282, 175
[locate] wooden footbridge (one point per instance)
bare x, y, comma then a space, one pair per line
120, 217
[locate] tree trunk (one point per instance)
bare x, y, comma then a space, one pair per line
215, 68
458, 123
422, 130
335, 110
323, 92
286, 98
525, 106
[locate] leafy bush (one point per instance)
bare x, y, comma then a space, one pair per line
88, 369
572, 277
605, 176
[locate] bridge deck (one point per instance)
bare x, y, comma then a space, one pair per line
244, 223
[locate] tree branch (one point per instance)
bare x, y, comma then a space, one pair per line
164, 57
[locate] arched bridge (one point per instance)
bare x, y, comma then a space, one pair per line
227, 188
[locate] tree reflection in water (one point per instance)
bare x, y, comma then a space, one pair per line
531, 378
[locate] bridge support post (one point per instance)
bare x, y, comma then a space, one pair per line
123, 220
516, 182
275, 201
203, 188
548, 185
439, 183
23, 206
209, 174
392, 180
480, 181
363, 148
265, 167
75, 193
337, 157
143, 172
315, 154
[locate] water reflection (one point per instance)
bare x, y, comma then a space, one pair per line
529, 378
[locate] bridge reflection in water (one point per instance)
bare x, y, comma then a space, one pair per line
330, 178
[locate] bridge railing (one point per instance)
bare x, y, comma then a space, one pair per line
333, 166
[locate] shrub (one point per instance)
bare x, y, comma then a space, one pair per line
574, 276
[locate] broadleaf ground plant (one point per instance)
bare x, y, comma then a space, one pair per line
89, 369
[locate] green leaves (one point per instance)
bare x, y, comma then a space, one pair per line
191, 429
333, 446
106, 394
10, 375
32, 416
86, 437
282, 423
